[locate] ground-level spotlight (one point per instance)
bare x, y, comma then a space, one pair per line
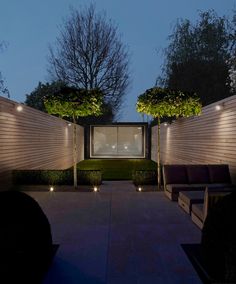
139, 188
51, 188
95, 189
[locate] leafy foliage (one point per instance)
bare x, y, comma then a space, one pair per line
72, 102
197, 55
159, 102
142, 177
56, 177
36, 98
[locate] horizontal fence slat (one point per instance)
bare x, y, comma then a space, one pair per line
209, 138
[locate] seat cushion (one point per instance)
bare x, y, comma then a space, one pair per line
191, 197
219, 174
175, 174
197, 209
175, 188
198, 174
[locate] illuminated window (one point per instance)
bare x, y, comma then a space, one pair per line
126, 141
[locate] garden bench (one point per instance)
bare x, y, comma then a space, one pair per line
182, 178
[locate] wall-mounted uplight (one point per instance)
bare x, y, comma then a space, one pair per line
219, 107
139, 188
51, 188
19, 108
95, 189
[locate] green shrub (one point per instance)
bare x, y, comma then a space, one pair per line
219, 239
93, 177
143, 177
55, 177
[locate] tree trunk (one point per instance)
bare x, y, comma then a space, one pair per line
158, 155
74, 153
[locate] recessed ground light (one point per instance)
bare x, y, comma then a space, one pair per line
218, 107
126, 147
19, 108
51, 188
165, 123
95, 189
69, 124
139, 188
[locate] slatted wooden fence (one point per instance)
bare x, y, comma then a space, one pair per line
207, 139
31, 139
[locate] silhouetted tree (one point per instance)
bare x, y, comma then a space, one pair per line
3, 89
196, 58
89, 54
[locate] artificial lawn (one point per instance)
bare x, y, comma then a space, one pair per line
117, 169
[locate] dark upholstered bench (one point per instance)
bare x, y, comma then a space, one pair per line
188, 198
194, 178
211, 196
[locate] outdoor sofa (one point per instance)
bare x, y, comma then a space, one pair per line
185, 178
211, 196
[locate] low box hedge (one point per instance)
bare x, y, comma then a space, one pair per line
56, 177
144, 177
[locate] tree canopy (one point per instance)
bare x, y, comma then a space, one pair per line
196, 57
88, 54
73, 102
162, 102
36, 98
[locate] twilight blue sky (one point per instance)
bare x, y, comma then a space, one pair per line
28, 26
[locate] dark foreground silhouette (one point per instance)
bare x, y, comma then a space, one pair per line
25, 239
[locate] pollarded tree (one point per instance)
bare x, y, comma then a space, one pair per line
72, 102
89, 54
159, 103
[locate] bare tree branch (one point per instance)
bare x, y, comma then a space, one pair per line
89, 54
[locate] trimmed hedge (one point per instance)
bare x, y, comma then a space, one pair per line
143, 177
58, 177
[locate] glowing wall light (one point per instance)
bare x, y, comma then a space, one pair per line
19, 108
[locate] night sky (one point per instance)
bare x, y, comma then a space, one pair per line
29, 26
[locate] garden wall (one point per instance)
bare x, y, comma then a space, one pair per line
206, 139
31, 139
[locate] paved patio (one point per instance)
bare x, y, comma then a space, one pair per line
118, 236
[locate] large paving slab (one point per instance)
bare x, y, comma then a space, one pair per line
118, 235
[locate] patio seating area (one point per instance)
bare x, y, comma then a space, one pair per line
118, 235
